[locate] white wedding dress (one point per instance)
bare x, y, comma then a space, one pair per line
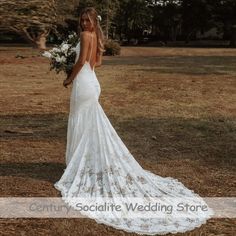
99, 166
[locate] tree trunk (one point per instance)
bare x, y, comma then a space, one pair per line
37, 42
187, 39
40, 41
173, 33
233, 36
107, 22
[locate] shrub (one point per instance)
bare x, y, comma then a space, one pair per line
111, 48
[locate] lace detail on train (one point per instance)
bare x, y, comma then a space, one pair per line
99, 165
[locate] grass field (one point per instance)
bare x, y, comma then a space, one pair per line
175, 109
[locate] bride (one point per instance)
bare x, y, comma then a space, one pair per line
99, 167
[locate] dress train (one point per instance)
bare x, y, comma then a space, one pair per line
100, 168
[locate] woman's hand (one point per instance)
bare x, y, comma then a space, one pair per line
67, 81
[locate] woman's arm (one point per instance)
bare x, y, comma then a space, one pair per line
84, 45
98, 60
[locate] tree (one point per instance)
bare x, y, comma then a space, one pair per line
108, 10
153, 5
33, 20
197, 15
226, 14
133, 16
67, 16
170, 18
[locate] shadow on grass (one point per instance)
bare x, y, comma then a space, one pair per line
46, 171
191, 65
212, 141
35, 127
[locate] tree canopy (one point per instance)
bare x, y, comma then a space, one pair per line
162, 19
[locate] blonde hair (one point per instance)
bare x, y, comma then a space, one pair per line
93, 17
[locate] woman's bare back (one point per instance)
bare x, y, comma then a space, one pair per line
92, 51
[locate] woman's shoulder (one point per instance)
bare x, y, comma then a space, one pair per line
84, 37
85, 34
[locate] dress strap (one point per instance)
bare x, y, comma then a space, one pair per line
91, 48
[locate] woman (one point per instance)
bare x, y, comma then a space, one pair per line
100, 167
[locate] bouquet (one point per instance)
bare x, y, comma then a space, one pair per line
62, 57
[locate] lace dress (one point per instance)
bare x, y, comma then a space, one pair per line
100, 169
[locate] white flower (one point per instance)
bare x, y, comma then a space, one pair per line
63, 59
55, 50
47, 54
58, 59
99, 18
73, 49
65, 47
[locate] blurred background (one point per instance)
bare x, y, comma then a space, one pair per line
128, 22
